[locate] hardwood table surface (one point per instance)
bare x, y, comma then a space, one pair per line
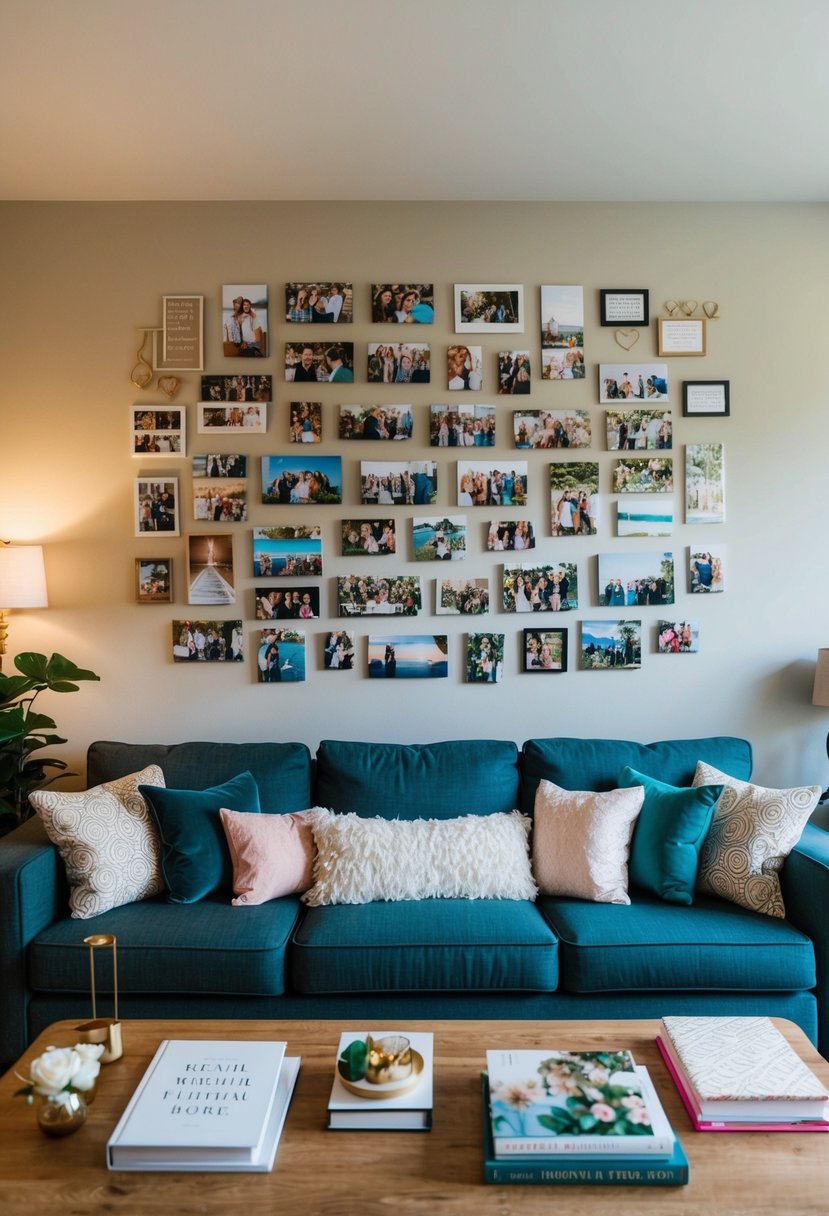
438, 1173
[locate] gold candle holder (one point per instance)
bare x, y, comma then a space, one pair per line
103, 1030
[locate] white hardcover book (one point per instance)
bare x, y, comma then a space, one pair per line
563, 1103
206, 1105
404, 1104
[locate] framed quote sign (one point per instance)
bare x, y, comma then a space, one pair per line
179, 345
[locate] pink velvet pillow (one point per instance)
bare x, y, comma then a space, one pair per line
272, 855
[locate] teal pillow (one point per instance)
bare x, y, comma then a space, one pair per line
195, 859
668, 835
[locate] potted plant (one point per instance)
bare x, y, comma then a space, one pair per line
24, 731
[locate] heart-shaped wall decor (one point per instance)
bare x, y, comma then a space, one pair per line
169, 386
710, 308
689, 307
671, 307
627, 338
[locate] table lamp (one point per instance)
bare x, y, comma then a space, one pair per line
820, 693
22, 583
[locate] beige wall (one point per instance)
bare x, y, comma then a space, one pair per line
78, 279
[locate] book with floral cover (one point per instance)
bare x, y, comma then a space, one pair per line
550, 1103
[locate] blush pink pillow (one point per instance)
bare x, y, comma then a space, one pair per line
272, 855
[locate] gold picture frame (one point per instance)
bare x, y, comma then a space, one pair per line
683, 336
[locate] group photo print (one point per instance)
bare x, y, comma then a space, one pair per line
574, 498
552, 429
461, 596
403, 303
462, 426
394, 483
553, 587
630, 579
481, 484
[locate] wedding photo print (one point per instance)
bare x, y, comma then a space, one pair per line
217, 419
552, 428
611, 645
535, 588
630, 579
413, 656
206, 641
319, 303
387, 595
338, 654
574, 498
375, 422
403, 303
245, 320
480, 484
462, 426
649, 430
562, 333
236, 388
287, 552
629, 381
396, 483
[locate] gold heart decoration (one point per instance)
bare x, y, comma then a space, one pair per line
689, 307
627, 338
710, 308
169, 386
671, 307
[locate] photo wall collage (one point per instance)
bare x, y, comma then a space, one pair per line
470, 503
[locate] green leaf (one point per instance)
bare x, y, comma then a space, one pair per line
32, 665
12, 687
558, 1120
60, 669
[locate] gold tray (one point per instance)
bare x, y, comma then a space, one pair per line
391, 1089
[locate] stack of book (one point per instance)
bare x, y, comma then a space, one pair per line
739, 1074
382, 1082
576, 1117
206, 1105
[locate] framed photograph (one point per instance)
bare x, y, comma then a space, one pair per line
157, 432
245, 320
462, 426
216, 465
706, 568
562, 332
644, 521
484, 307
399, 363
464, 368
410, 656
294, 481
237, 388
210, 569
677, 637
280, 656
231, 419
545, 650
626, 306
574, 498
552, 429
220, 502
319, 362
704, 483
461, 596
181, 348
153, 580
485, 483
707, 398
297, 603
319, 303
632, 382
628, 580
305, 424
639, 430
156, 506
552, 587
611, 645
644, 475
484, 658
287, 552
384, 595
339, 650
510, 535
514, 372
207, 641
439, 540
374, 537
376, 421
403, 303
681, 336
398, 483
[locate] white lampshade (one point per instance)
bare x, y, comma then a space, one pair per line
22, 577
820, 693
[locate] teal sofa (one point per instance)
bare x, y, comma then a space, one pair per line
391, 962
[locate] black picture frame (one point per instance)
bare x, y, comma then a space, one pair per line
624, 306
706, 398
533, 661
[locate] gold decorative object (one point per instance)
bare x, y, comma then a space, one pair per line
626, 338
689, 307
389, 1059
710, 308
62, 1114
142, 373
103, 1030
169, 386
671, 307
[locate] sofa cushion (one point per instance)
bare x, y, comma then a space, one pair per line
432, 945
429, 781
272, 855
165, 948
650, 945
595, 764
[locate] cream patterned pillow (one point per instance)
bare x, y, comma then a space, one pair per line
752, 833
473, 857
581, 841
107, 840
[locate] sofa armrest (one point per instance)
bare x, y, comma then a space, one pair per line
33, 894
805, 883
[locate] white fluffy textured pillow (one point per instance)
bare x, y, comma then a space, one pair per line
474, 857
752, 833
581, 841
107, 840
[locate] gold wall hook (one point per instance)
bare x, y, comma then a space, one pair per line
142, 373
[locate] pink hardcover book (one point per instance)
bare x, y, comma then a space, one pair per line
711, 1125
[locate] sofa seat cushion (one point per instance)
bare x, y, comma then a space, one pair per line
430, 945
650, 945
209, 947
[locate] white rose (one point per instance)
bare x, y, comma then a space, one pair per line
54, 1070
87, 1073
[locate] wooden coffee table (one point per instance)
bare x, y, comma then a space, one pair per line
438, 1173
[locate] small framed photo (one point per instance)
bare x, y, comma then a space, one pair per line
339, 650
280, 656
319, 303
483, 307
153, 580
484, 658
403, 303
156, 506
305, 422
677, 637
408, 656
545, 650
181, 348
207, 641
157, 432
682, 336
626, 306
708, 398
231, 419
461, 596
245, 320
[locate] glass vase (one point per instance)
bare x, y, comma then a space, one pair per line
62, 1114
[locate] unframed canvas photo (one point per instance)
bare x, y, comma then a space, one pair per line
381, 595
574, 498
216, 465
233, 419
411, 656
374, 537
462, 426
639, 430
287, 552
635, 579
464, 368
339, 650
403, 303
305, 424
562, 332
644, 521
707, 569
461, 596
245, 320
644, 475
552, 429
611, 645
375, 422
677, 637
210, 569
396, 483
514, 372
208, 641
301, 480
399, 363
297, 603
510, 534
704, 483
553, 587
237, 388
482, 483
484, 658
280, 657
632, 382
319, 303
441, 539
224, 502
319, 362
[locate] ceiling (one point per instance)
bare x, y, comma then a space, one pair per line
565, 100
